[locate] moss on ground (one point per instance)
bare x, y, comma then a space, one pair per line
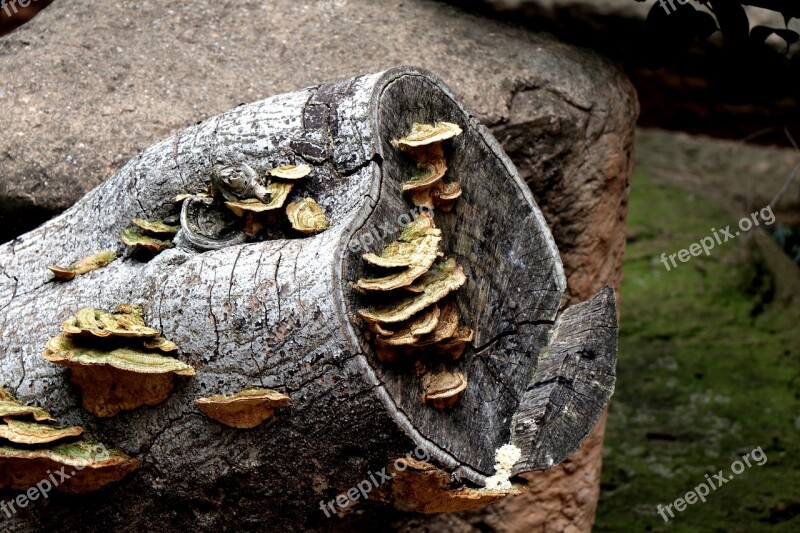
709, 368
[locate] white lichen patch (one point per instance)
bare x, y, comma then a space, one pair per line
504, 460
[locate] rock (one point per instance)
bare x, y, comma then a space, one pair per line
80, 102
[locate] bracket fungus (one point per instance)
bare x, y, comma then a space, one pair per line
125, 321
116, 360
444, 195
444, 277
423, 488
140, 239
160, 344
90, 466
417, 244
291, 172
446, 327
406, 334
409, 331
156, 227
232, 181
244, 410
455, 345
431, 167
37, 431
151, 235
31, 450
83, 266
9, 407
417, 249
447, 338
425, 185
180, 198
20, 432
425, 134
306, 216
443, 389
416, 316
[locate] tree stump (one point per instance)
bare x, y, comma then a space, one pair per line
282, 314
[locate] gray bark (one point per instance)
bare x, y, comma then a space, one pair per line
279, 314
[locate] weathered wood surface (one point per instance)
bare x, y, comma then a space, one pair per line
278, 314
572, 375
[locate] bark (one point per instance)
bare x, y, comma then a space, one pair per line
279, 314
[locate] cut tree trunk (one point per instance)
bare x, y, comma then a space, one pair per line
281, 314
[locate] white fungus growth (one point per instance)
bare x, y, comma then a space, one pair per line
504, 460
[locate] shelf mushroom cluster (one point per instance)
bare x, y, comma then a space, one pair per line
426, 186
250, 197
417, 313
117, 361
244, 195
247, 196
30, 448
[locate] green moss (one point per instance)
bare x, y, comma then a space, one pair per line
709, 368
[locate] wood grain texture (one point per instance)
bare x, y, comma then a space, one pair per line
574, 380
277, 314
